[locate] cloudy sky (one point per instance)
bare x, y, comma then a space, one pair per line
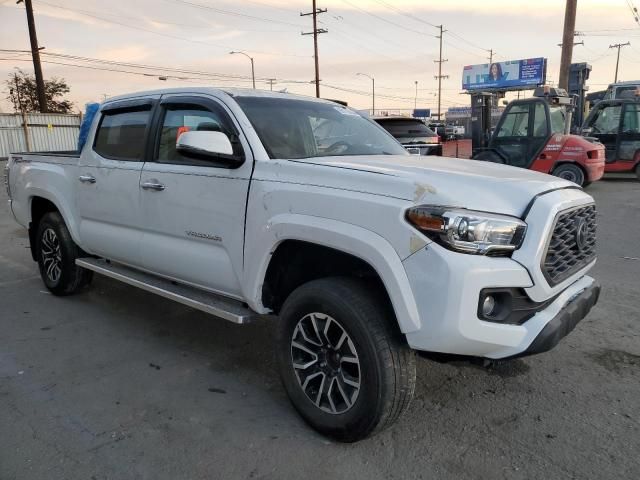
392, 40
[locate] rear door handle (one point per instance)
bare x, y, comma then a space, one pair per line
153, 185
87, 179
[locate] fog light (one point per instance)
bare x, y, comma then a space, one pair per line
488, 306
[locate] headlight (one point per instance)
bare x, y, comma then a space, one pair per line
468, 231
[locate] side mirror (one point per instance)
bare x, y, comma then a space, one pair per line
204, 144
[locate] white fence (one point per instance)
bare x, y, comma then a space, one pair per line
37, 132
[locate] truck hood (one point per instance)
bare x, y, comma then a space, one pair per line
455, 182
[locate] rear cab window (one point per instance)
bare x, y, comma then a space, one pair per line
406, 128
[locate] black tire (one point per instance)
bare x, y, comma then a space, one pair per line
386, 370
56, 253
570, 172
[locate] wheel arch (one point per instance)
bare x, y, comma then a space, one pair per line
41, 203
565, 161
359, 247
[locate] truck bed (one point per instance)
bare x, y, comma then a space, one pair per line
61, 153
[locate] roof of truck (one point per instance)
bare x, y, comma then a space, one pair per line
234, 92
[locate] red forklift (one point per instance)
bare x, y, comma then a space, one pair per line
616, 124
534, 133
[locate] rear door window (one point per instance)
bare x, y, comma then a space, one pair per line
121, 134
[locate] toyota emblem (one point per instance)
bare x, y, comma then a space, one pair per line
581, 234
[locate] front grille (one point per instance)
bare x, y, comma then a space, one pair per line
572, 245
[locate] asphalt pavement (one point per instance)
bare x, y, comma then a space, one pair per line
116, 383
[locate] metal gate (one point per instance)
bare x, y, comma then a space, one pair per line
37, 132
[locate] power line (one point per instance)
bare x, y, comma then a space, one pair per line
406, 14
168, 35
386, 20
235, 14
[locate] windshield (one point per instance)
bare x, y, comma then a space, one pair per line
293, 128
557, 119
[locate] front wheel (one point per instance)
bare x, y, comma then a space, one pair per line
56, 253
570, 172
345, 366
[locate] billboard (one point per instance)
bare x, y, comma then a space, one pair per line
421, 113
511, 75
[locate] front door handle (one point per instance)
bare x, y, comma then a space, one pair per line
87, 179
153, 185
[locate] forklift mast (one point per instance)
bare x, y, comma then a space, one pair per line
482, 104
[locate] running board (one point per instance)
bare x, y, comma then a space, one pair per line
217, 305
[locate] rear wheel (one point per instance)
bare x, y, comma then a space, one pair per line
56, 253
570, 172
346, 368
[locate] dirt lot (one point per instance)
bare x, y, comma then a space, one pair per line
120, 384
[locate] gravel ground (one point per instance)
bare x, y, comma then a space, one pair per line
116, 383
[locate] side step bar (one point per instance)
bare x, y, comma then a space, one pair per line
226, 308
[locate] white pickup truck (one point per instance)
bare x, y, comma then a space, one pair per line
244, 203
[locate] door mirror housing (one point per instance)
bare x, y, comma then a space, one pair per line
204, 144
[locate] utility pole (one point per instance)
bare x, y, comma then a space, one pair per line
439, 77
271, 81
567, 42
315, 33
35, 54
415, 102
490, 57
581, 42
618, 46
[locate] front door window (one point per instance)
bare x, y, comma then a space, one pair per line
630, 134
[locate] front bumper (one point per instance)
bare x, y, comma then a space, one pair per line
565, 321
447, 285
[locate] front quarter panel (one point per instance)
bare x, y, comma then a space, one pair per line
370, 227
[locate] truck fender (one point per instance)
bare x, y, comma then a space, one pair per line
54, 196
351, 239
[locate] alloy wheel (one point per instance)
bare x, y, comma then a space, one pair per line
326, 363
51, 255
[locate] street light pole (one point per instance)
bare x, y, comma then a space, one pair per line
373, 91
253, 73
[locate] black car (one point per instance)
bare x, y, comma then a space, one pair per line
440, 129
413, 134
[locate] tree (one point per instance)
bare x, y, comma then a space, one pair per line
23, 94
